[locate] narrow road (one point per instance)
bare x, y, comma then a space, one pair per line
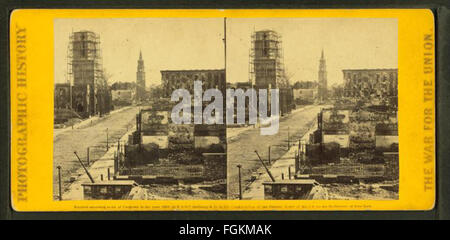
93, 136
241, 148
255, 190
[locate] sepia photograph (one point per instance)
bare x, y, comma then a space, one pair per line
225, 111
337, 134
226, 108
114, 136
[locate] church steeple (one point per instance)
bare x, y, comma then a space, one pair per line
140, 79
322, 80
140, 63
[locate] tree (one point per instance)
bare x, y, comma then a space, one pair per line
156, 92
337, 91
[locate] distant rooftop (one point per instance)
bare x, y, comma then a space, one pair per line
82, 31
266, 30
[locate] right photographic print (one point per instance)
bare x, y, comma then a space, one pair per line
315, 108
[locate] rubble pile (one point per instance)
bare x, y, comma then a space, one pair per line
360, 141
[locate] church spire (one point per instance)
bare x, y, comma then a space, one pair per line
140, 62
140, 79
322, 91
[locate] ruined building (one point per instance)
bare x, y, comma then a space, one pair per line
62, 104
358, 140
267, 67
123, 93
267, 56
140, 79
377, 86
177, 79
354, 136
322, 88
163, 149
202, 138
248, 107
305, 92
62, 96
90, 93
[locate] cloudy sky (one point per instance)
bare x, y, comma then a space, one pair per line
196, 43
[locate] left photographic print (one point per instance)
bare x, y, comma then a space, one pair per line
114, 136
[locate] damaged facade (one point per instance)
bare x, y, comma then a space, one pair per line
361, 136
202, 137
87, 88
164, 151
267, 67
122, 97
244, 86
305, 96
123, 93
377, 86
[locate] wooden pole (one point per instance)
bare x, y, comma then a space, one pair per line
59, 183
225, 42
267, 170
116, 160
87, 157
107, 144
240, 181
269, 155
289, 144
137, 122
85, 169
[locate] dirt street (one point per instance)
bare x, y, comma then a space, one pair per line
90, 135
241, 148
